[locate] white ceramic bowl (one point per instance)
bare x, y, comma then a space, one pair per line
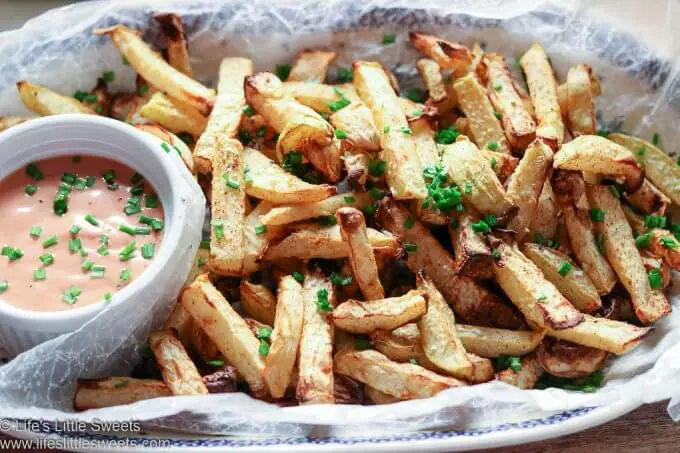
91, 135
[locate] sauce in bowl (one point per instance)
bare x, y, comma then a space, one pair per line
74, 230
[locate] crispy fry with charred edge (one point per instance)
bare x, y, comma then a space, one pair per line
438, 331
538, 299
379, 397
600, 333
570, 194
580, 112
361, 258
357, 316
547, 215
315, 359
282, 215
311, 65
173, 116
176, 40
428, 155
226, 329
285, 337
156, 71
471, 172
469, 300
649, 199
168, 137
258, 302
227, 244
44, 101
299, 127
10, 121
569, 360
519, 126
270, 182
526, 377
179, 372
595, 154
447, 54
401, 380
224, 120
502, 164
543, 89
326, 243
624, 257
116, 391
473, 256
526, 183
562, 272
430, 73
485, 128
404, 173
658, 166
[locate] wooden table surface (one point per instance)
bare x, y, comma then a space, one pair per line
648, 429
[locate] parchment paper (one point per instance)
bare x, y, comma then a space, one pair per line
640, 96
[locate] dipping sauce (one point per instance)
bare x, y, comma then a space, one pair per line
74, 230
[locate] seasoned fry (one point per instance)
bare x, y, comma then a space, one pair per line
116, 391
430, 73
502, 164
526, 377
600, 333
171, 139
493, 342
474, 176
428, 155
401, 380
315, 377
270, 182
595, 154
321, 97
258, 302
543, 90
173, 116
357, 168
176, 39
379, 397
526, 183
285, 338
328, 160
179, 372
447, 54
546, 216
473, 256
11, 121
564, 359
649, 199
44, 101
538, 299
356, 121
403, 170
485, 128
580, 101
157, 72
226, 329
624, 257
256, 242
202, 343
311, 65
570, 194
282, 215
355, 316
519, 126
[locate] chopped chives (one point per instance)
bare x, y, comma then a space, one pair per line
86, 264
204, 245
264, 348
386, 129
148, 250
50, 241
109, 176
643, 241
654, 278
216, 362
413, 361
656, 138
340, 134
71, 295
108, 297
498, 87
283, 71
104, 239
597, 215
349, 199
75, 229
64, 188
90, 181
153, 222
218, 228
655, 221
108, 76
126, 229
249, 111
498, 115
34, 172
47, 259
370, 209
128, 251
30, 189
481, 227
410, 247
407, 131
4, 286
408, 223
260, 229
165, 147
35, 231
131, 209
490, 220
201, 261
322, 301
299, 276
493, 146
494, 161
103, 250
231, 183
669, 242
142, 230
125, 275
615, 191
60, 203
345, 75
496, 255
75, 245
136, 178
137, 190
468, 188
80, 184
261, 131
14, 254
565, 268
599, 241
376, 193
389, 39
97, 271
143, 89
39, 274
376, 167
150, 201
340, 280
92, 220
68, 178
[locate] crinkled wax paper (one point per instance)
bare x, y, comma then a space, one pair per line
58, 49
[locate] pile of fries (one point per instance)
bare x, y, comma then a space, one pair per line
367, 247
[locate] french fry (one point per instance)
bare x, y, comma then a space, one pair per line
362, 261
485, 128
202, 344
124, 104
570, 194
45, 102
315, 378
474, 176
256, 242
102, 105
519, 126
356, 316
493, 342
653, 263
538, 299
431, 74
502, 164
580, 111
526, 377
285, 338
472, 255
564, 359
224, 120
624, 257
157, 72
356, 166
663, 244
173, 116
181, 323
116, 391
226, 329
401, 380
649, 199
326, 243
356, 121
270, 182
256, 326
595, 154
447, 54
176, 40
403, 170
179, 372
526, 183
562, 272
282, 215
174, 142
311, 65
543, 89
428, 155
319, 96
328, 160
379, 397
635, 220
258, 302
546, 216
7, 122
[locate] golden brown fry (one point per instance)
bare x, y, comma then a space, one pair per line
171, 139
649, 199
173, 116
181, 323
526, 377
356, 316
547, 215
361, 258
623, 255
543, 88
568, 360
600, 333
356, 167
10, 121
430, 73
428, 155
328, 160
502, 164
176, 40
635, 220
179, 372
157, 72
258, 302
256, 244
493, 342
447, 54
403, 170
580, 112
473, 256
44, 101
282, 215
356, 121
116, 391
202, 344
311, 65
320, 96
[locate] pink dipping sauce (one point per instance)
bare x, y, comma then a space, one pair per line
75, 277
